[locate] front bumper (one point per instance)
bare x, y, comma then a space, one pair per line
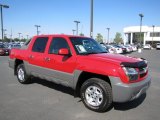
127, 92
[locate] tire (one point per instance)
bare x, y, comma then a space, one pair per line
22, 75
96, 94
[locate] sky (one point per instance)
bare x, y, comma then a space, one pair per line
57, 16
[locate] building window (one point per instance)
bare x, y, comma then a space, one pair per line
155, 34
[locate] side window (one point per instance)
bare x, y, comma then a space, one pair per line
56, 44
40, 44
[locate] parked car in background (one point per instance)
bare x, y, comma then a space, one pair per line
158, 46
128, 48
103, 45
14, 46
123, 48
118, 49
21, 43
4, 50
1, 49
134, 48
147, 46
110, 49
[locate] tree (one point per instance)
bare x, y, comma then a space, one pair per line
6, 39
118, 38
81, 34
16, 39
23, 40
99, 38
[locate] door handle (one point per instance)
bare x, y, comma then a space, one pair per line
31, 56
47, 59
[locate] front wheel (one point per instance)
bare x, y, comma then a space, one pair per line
22, 75
96, 94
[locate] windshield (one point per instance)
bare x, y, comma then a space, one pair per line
86, 46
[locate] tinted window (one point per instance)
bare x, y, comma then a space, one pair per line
40, 44
56, 44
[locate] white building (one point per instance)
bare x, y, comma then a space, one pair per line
149, 34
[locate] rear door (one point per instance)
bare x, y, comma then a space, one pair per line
36, 56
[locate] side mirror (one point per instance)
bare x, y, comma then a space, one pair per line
63, 51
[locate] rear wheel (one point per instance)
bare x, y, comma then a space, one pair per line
96, 94
22, 75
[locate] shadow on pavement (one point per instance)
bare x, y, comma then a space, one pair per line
129, 105
67, 90
54, 86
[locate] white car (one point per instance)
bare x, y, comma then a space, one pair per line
134, 47
111, 49
158, 46
128, 48
147, 46
117, 49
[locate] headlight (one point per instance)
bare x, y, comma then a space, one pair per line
131, 73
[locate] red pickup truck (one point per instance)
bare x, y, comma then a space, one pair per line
95, 75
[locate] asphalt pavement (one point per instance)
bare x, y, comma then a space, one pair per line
44, 100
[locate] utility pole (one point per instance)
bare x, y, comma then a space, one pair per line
2, 6
73, 31
27, 36
141, 16
37, 26
77, 22
19, 35
108, 36
153, 34
91, 20
11, 36
4, 30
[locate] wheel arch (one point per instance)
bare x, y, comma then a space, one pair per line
17, 62
85, 76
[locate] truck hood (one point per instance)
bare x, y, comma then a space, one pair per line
115, 58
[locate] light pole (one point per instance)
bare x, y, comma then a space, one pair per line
37, 26
91, 20
108, 35
5, 35
27, 36
153, 34
2, 6
73, 31
77, 22
19, 35
141, 16
11, 36
4, 30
